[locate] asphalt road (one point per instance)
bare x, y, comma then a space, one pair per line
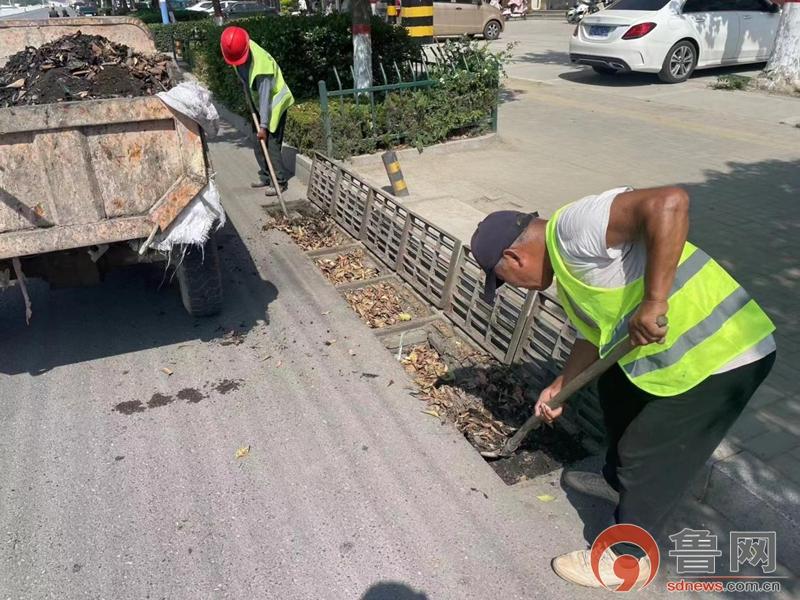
41, 13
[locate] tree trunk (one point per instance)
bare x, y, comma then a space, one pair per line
362, 43
783, 69
217, 12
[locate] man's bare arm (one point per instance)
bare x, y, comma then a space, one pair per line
583, 354
660, 218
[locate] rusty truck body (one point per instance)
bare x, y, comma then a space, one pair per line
83, 184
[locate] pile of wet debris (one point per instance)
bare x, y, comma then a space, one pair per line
80, 67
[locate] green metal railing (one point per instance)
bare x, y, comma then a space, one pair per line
410, 75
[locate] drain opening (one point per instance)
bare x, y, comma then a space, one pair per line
460, 385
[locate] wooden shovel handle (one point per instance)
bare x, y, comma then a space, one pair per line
594, 370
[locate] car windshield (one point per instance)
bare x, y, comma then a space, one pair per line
638, 5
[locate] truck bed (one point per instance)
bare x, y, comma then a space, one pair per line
85, 173
91, 172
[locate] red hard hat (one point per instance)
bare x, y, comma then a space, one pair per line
235, 45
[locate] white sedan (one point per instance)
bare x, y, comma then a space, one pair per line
675, 37
208, 7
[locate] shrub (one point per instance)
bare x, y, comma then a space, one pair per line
351, 126
306, 48
154, 16
183, 32
731, 82
461, 103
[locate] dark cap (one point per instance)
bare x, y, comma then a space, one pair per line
493, 236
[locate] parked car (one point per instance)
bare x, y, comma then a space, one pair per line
248, 9
87, 10
466, 17
675, 37
208, 7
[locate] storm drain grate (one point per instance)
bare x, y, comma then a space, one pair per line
350, 203
427, 257
496, 328
322, 183
383, 228
520, 328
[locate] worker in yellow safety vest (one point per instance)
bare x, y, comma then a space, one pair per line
621, 260
256, 67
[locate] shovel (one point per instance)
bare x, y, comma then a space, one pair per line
263, 144
591, 372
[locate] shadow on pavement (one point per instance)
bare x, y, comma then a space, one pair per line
589, 77
746, 218
228, 134
134, 308
547, 57
391, 590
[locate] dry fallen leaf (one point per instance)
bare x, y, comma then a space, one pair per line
346, 267
310, 232
380, 305
243, 451
16, 85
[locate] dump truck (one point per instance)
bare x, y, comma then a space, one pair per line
84, 185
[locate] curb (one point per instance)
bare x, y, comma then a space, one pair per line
753, 495
461, 145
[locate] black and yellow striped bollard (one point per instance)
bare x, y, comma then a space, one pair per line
417, 17
399, 187
391, 12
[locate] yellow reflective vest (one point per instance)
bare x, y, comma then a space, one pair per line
262, 63
712, 319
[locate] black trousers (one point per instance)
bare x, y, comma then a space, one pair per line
657, 445
274, 146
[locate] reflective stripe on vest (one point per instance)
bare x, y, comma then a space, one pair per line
262, 63
712, 320
685, 271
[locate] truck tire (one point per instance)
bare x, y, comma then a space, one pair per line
200, 280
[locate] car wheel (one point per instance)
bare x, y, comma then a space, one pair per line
604, 70
492, 30
679, 63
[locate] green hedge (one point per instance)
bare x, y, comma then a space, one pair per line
184, 32
306, 48
460, 104
153, 16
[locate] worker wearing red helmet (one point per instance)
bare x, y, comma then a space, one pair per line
264, 79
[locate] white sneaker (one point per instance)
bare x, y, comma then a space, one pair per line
593, 484
576, 567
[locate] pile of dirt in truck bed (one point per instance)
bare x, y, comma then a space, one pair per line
80, 67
